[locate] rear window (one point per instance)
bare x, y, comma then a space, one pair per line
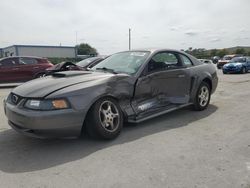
227, 58
87, 61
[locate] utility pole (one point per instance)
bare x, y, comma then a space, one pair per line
129, 39
76, 49
76, 38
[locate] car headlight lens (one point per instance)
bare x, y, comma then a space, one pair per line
54, 104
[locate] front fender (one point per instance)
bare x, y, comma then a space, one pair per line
83, 96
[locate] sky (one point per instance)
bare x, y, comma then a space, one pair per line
104, 24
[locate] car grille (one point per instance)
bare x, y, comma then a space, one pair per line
231, 68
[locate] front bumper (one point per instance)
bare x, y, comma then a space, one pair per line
44, 124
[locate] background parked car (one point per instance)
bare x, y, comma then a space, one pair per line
19, 69
237, 65
81, 65
90, 62
215, 59
63, 66
226, 60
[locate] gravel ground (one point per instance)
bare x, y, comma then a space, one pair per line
182, 149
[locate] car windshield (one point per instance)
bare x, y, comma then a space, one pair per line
86, 62
123, 62
238, 59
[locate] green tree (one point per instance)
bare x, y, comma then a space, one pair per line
222, 52
240, 51
213, 52
200, 53
86, 49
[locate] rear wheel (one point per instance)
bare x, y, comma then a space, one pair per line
40, 75
202, 98
105, 119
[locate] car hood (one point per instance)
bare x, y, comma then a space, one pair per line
233, 64
42, 87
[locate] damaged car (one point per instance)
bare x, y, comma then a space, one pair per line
130, 86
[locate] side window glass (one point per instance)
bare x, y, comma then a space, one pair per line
163, 61
186, 61
27, 61
8, 63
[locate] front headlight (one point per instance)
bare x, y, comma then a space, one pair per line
51, 104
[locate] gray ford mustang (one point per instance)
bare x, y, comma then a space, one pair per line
130, 86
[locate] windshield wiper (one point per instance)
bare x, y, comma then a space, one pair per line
107, 69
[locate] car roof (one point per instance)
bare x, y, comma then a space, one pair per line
155, 50
23, 57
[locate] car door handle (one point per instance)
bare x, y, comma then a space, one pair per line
181, 75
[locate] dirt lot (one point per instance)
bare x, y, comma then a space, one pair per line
181, 149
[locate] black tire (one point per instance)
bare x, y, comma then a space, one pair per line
224, 72
98, 125
198, 104
40, 75
243, 70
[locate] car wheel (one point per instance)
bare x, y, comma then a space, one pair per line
243, 70
105, 119
202, 98
224, 72
40, 75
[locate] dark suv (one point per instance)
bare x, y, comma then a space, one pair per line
19, 69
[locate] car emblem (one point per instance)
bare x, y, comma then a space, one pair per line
14, 99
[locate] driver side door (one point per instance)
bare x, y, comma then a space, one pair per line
165, 84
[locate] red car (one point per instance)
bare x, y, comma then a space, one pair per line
19, 69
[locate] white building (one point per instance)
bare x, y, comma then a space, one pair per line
40, 51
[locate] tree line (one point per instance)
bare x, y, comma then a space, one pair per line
202, 53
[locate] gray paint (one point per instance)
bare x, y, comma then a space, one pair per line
82, 89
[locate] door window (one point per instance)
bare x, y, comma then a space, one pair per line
162, 61
186, 61
27, 61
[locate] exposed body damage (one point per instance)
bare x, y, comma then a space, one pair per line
140, 96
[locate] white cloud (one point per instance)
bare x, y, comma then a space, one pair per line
104, 23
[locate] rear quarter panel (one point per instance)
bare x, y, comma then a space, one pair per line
200, 73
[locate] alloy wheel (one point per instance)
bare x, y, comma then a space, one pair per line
203, 96
109, 116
